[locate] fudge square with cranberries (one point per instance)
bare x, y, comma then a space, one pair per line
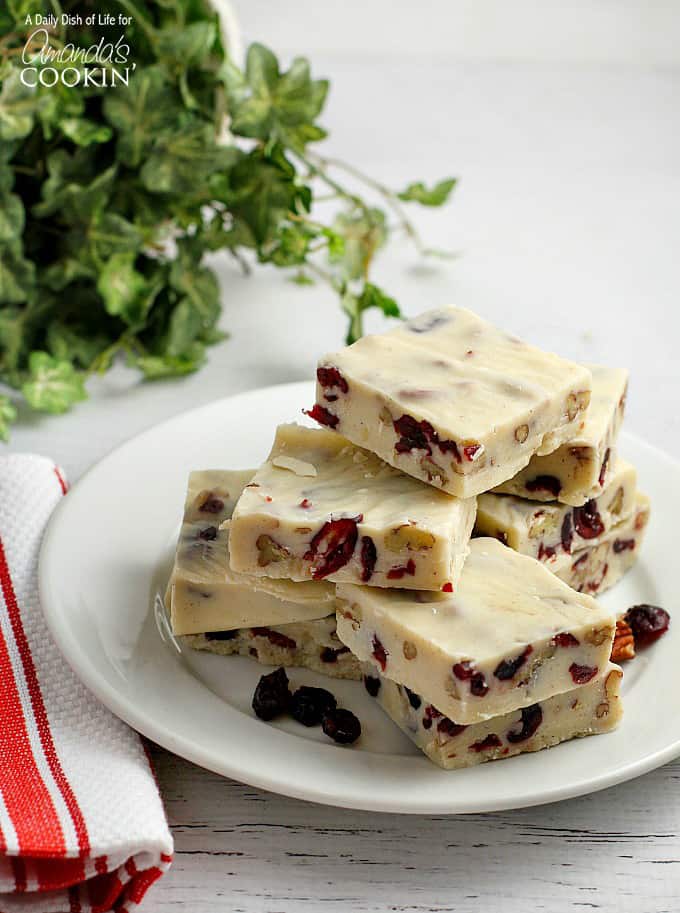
450, 399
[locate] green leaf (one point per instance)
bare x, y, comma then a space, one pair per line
125, 291
85, 132
139, 111
7, 415
363, 233
181, 159
54, 385
12, 217
12, 335
156, 367
79, 345
17, 275
63, 272
292, 245
356, 305
109, 233
435, 196
199, 286
185, 46
18, 106
71, 190
262, 192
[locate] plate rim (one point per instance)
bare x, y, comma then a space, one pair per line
145, 724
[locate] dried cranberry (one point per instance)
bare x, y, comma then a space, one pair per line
622, 545
334, 545
372, 684
450, 447
331, 377
603, 470
220, 635
413, 698
448, 727
431, 713
582, 674
341, 725
470, 451
491, 741
380, 654
544, 483
308, 705
305, 504
508, 668
396, 573
648, 623
532, 717
212, 505
369, 556
447, 588
465, 671
567, 533
272, 695
413, 435
565, 639
545, 551
587, 520
502, 536
330, 655
322, 415
208, 534
275, 638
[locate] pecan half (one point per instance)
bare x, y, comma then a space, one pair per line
623, 647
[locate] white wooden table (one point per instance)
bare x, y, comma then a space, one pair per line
568, 222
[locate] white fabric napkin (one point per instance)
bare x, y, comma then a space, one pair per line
82, 826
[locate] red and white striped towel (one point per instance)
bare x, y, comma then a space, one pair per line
82, 827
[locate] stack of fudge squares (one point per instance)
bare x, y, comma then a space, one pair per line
441, 537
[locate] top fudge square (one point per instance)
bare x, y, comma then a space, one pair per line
322, 508
450, 399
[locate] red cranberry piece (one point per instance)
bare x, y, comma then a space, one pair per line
465, 671
648, 623
305, 504
396, 573
369, 556
603, 470
447, 588
212, 505
275, 638
413, 698
448, 727
431, 713
333, 545
622, 545
330, 655
208, 534
587, 520
508, 668
322, 415
502, 536
582, 674
565, 639
341, 725
379, 654
567, 534
372, 684
544, 483
532, 717
470, 451
491, 741
331, 377
413, 435
272, 695
545, 551
308, 705
452, 447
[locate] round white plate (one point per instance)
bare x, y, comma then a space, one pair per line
106, 556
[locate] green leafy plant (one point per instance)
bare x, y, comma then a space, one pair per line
111, 196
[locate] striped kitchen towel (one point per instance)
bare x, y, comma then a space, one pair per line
82, 826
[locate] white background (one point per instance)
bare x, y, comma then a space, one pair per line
561, 119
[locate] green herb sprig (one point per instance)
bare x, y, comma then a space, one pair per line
110, 198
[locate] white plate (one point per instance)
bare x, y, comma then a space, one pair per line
106, 556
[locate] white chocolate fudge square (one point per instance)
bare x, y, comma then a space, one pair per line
452, 400
511, 635
312, 644
322, 508
580, 469
549, 531
595, 708
598, 567
204, 594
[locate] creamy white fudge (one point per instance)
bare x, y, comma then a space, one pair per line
598, 567
322, 508
592, 709
511, 635
312, 644
204, 594
450, 399
580, 469
549, 531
